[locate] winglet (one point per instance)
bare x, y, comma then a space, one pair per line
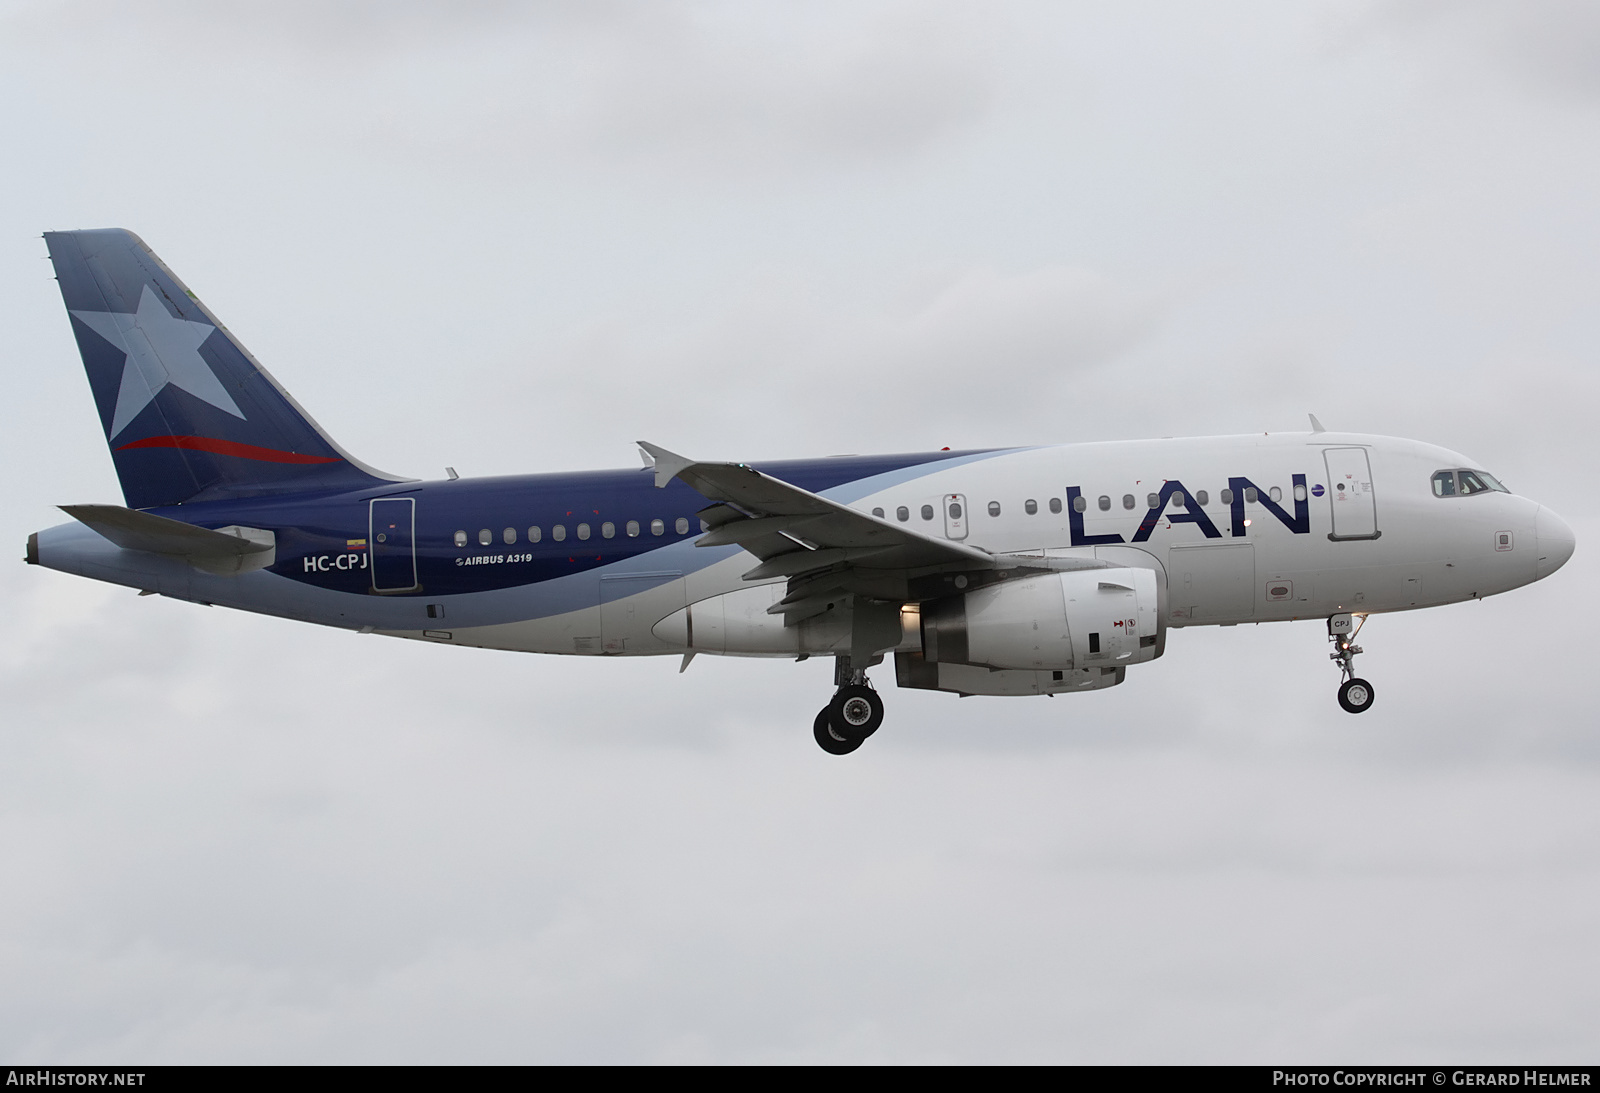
1316, 426
668, 464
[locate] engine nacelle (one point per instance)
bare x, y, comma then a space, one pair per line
1059, 622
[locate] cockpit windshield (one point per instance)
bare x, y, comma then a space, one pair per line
1460, 483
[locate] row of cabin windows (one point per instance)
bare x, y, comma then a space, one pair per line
608, 530
1081, 504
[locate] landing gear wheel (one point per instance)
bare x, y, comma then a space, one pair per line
856, 711
829, 740
1356, 696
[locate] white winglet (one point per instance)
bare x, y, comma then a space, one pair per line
668, 464
1316, 426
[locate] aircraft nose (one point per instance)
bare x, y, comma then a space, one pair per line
1555, 541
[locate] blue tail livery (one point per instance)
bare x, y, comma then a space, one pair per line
188, 412
1014, 571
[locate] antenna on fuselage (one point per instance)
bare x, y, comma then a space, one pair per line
1316, 426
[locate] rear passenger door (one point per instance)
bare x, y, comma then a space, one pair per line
392, 543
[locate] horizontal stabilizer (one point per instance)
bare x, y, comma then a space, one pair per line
226, 550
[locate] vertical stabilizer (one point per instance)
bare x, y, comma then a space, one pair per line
187, 411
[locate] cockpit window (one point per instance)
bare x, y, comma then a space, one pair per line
1463, 482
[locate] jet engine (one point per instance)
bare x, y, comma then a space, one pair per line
1038, 635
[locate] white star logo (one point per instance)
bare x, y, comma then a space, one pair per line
161, 350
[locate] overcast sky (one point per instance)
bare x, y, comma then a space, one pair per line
517, 237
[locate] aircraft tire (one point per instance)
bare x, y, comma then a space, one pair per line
856, 711
830, 741
1355, 696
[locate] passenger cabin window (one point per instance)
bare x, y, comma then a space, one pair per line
1105, 503
1127, 501
559, 533
534, 534
1079, 505
1177, 500
994, 508
608, 530
583, 531
633, 529
902, 514
658, 527
927, 512
461, 538
1250, 494
878, 513
1227, 497
1202, 498
485, 537
509, 536
1031, 507
1154, 499
955, 511
1275, 493
682, 525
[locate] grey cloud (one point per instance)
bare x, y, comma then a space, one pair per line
1549, 45
676, 86
787, 355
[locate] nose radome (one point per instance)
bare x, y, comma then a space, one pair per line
1555, 542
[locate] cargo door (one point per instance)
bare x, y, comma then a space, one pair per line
630, 604
1213, 582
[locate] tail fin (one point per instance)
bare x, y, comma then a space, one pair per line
187, 411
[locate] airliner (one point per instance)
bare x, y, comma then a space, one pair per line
1005, 571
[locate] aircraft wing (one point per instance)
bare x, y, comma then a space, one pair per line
819, 544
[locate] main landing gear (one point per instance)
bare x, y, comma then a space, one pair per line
855, 713
1355, 695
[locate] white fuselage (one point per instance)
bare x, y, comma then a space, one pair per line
1398, 545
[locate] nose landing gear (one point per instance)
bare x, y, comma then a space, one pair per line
1355, 695
854, 714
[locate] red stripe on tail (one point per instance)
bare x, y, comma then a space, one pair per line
228, 447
